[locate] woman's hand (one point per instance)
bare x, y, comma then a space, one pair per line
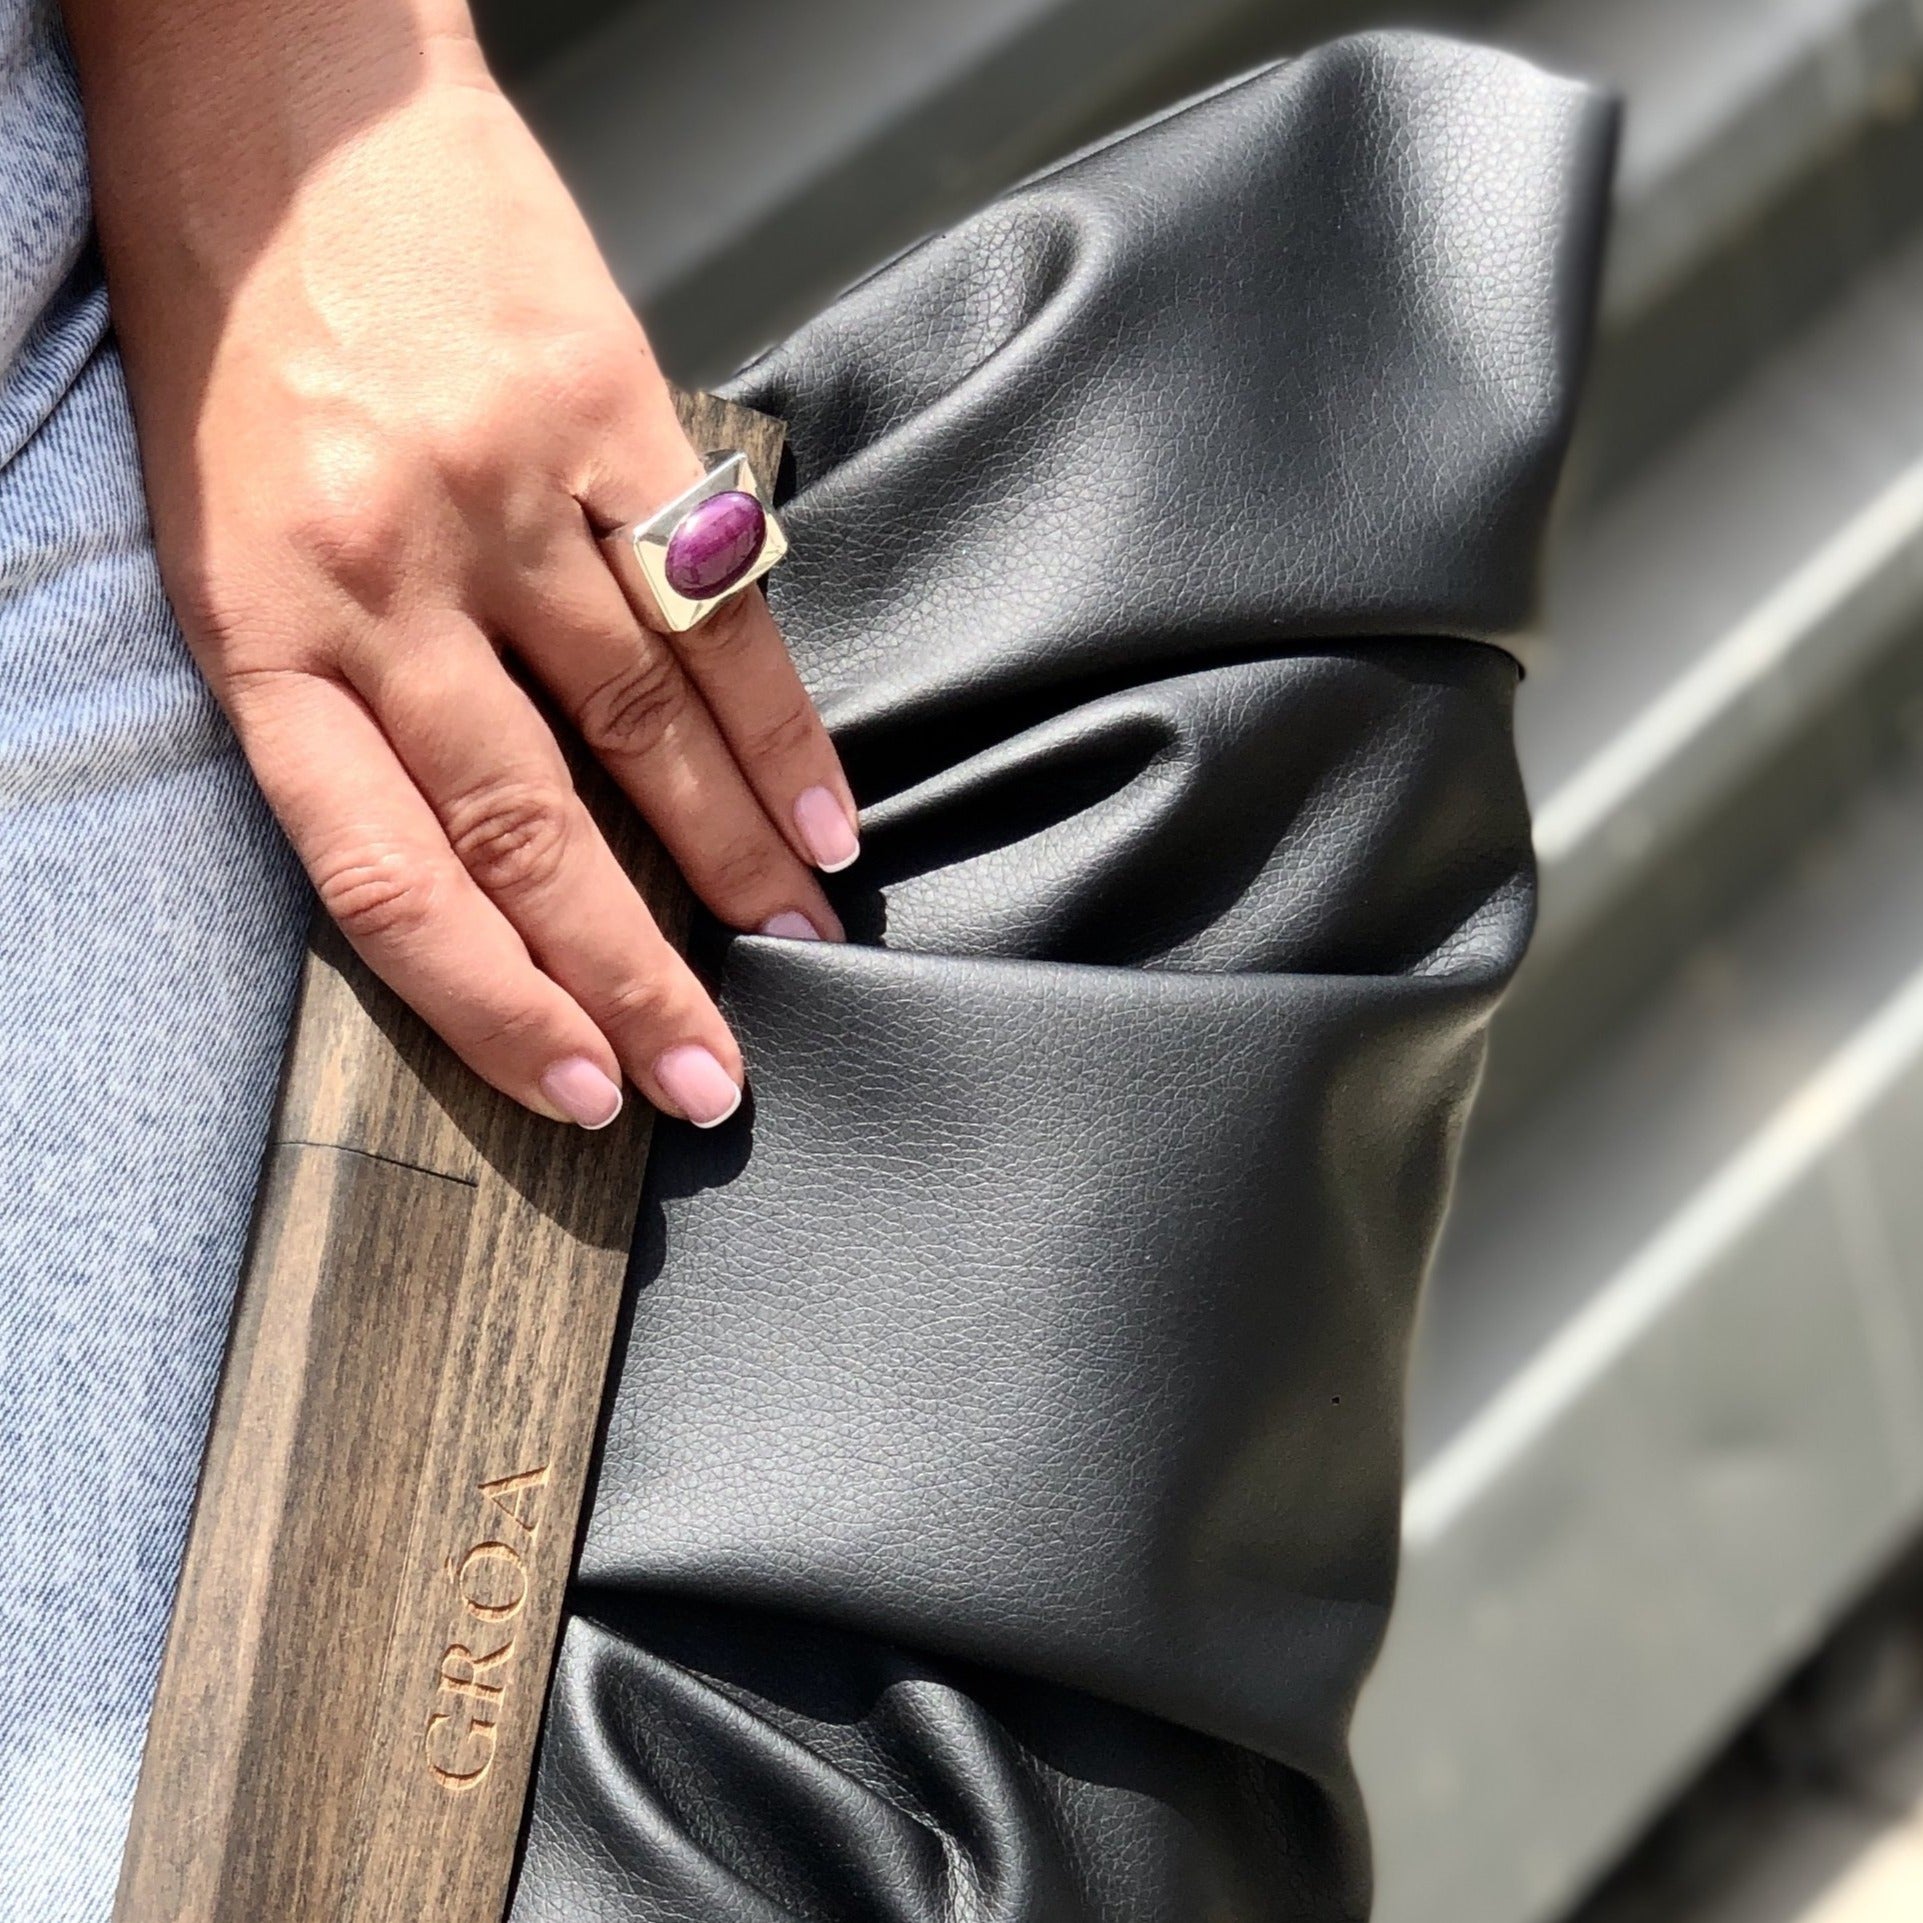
387, 395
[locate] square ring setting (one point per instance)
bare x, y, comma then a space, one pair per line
664, 562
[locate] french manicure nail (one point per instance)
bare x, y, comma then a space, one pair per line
581, 1092
790, 925
826, 832
696, 1083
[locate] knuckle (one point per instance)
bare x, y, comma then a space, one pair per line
249, 640
347, 517
209, 609
784, 738
377, 894
469, 457
356, 547
635, 710
742, 873
512, 836
726, 635
230, 621
512, 1029
643, 1005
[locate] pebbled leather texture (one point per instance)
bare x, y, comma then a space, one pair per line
999, 1504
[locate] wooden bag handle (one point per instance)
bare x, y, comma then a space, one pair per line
389, 1507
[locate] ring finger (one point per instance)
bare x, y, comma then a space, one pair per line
741, 667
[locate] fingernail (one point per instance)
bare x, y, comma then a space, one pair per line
826, 832
581, 1092
790, 925
696, 1083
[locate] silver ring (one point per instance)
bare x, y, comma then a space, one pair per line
699, 551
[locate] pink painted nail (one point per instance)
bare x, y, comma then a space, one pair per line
790, 925
696, 1083
826, 832
581, 1092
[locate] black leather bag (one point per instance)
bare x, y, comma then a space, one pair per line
999, 1505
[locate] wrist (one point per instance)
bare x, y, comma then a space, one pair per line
206, 116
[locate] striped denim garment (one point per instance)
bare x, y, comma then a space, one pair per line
150, 923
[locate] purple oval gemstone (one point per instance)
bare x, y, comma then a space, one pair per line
715, 545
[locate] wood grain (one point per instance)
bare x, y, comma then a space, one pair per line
388, 1511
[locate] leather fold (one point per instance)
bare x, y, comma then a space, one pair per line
998, 1509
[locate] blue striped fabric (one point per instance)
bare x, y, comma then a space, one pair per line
149, 927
